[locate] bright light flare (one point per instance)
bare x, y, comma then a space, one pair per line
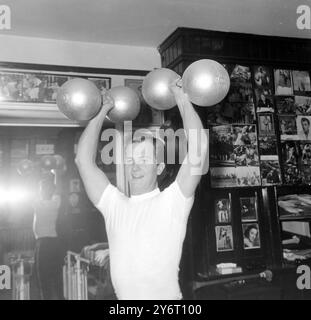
14, 195
204, 81
78, 99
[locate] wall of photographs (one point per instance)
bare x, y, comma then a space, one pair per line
237, 230
264, 106
247, 221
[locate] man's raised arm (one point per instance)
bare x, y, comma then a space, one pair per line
95, 181
196, 161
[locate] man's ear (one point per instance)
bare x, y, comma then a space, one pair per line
160, 168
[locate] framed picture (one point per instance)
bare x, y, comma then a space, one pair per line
251, 238
224, 238
223, 211
148, 116
28, 92
38, 86
249, 209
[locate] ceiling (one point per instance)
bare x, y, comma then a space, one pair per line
149, 22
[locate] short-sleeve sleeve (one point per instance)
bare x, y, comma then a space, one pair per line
108, 200
180, 205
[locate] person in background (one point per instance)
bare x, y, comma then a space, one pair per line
48, 251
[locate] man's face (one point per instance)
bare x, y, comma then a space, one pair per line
140, 167
305, 126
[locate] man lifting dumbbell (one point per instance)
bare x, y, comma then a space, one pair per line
146, 230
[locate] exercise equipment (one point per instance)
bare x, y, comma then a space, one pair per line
22, 270
79, 99
75, 272
25, 167
156, 88
266, 275
206, 82
126, 104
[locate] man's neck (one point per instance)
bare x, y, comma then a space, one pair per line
140, 192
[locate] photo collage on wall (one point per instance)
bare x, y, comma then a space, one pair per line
223, 228
293, 104
234, 153
267, 137
249, 219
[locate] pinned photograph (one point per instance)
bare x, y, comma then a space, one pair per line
303, 105
292, 174
248, 176
285, 104
223, 211
267, 146
304, 128
11, 86
306, 174
244, 135
223, 177
301, 81
305, 151
240, 74
262, 77
224, 238
288, 127
251, 238
264, 102
246, 155
289, 152
248, 207
266, 124
240, 92
270, 171
231, 113
283, 82
221, 153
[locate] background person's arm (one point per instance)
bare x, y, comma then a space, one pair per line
95, 181
190, 173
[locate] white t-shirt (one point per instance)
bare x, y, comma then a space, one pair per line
145, 234
46, 212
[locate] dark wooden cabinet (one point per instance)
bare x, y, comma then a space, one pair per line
200, 257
